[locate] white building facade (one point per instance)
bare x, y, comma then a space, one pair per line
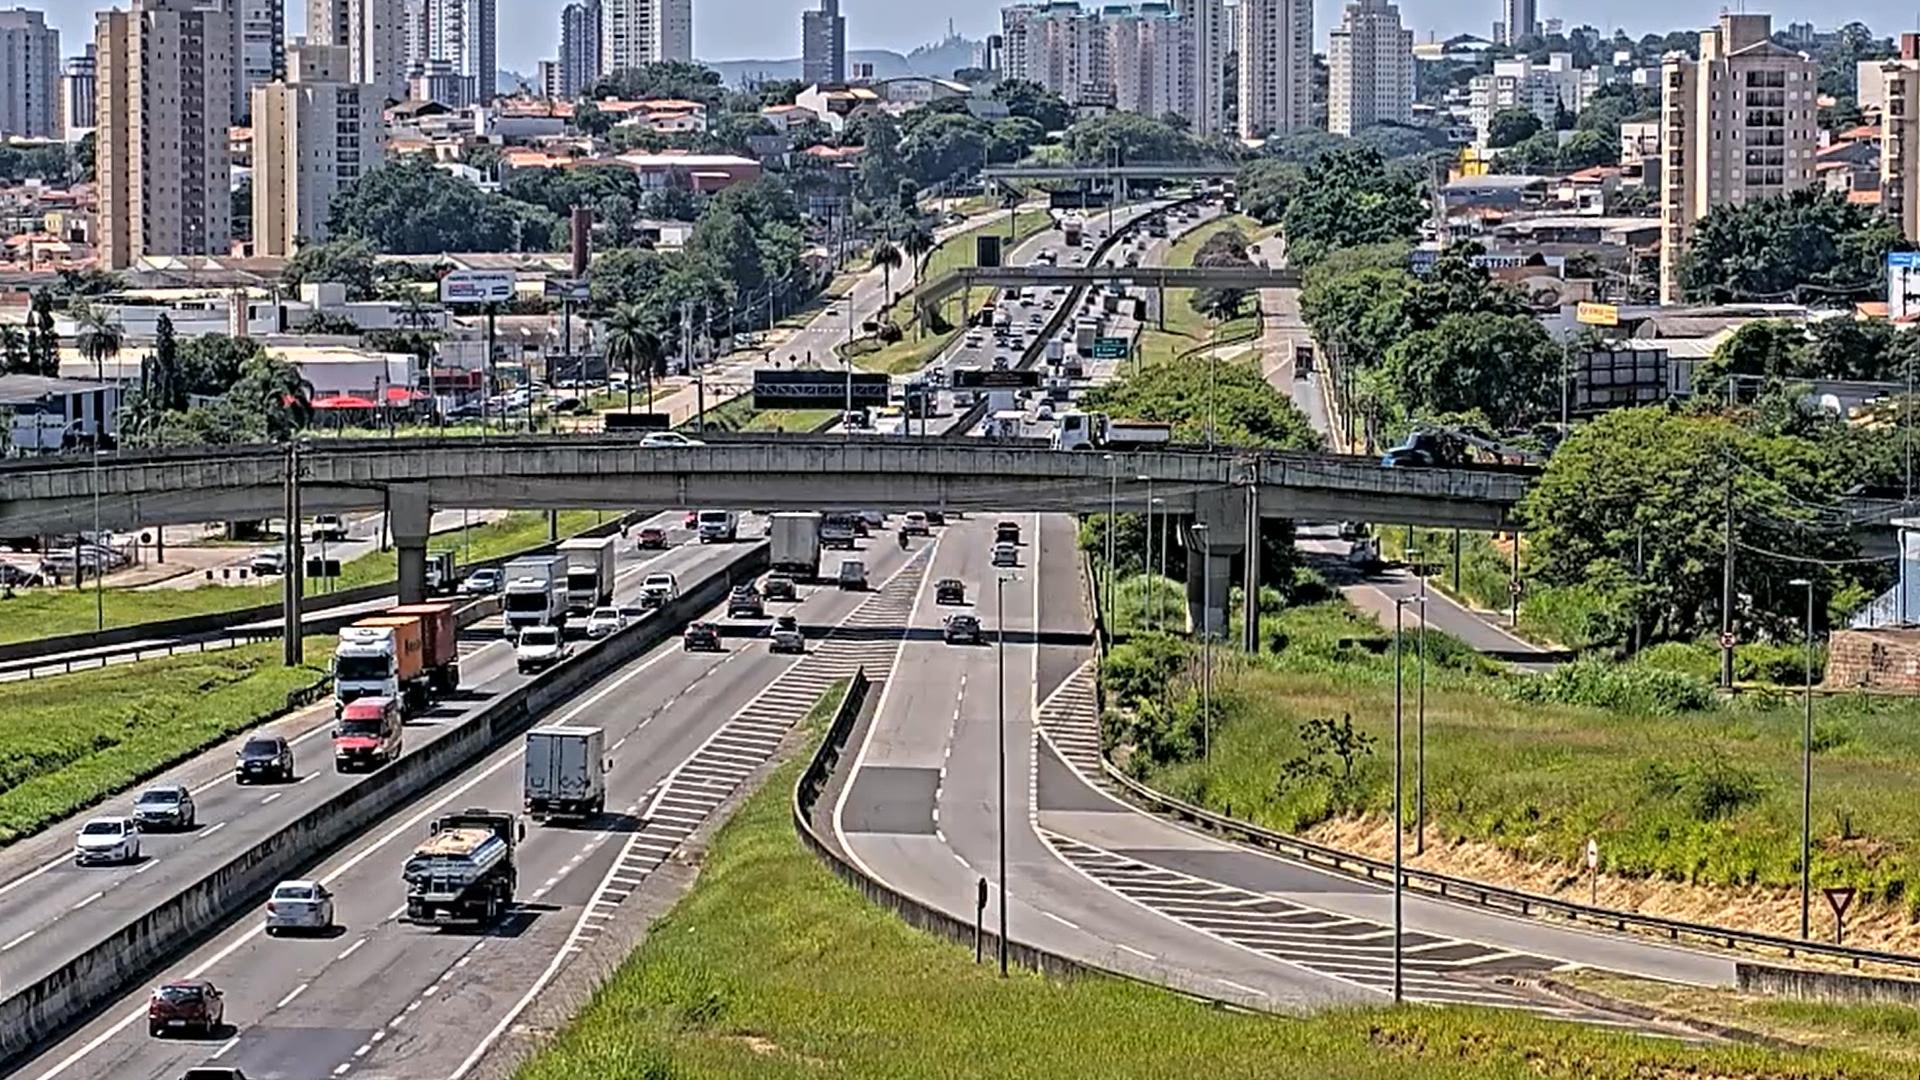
1370, 68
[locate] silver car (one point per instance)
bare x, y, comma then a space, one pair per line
107, 840
300, 905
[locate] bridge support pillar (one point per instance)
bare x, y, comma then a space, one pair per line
412, 519
1210, 555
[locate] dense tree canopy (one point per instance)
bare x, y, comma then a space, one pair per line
411, 207
345, 262
1511, 126
1500, 366
1350, 198
1810, 244
1131, 136
1265, 186
1034, 102
1247, 410
674, 79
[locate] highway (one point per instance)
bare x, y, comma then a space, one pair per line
387, 999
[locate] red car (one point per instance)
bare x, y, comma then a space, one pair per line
653, 536
186, 1005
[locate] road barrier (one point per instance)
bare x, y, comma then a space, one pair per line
34, 1015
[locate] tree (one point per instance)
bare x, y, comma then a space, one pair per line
633, 347
1509, 126
1128, 138
43, 342
588, 119
13, 350
1265, 187
211, 364
162, 376
1805, 244
672, 79
1035, 102
326, 323
917, 242
886, 257
412, 207
1349, 198
1247, 411
241, 204
342, 262
1500, 366
273, 391
99, 340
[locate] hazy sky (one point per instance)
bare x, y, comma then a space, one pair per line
770, 29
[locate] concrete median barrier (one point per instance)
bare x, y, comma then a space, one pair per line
31, 1016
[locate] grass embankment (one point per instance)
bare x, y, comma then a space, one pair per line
1884, 1030
40, 613
1186, 328
1675, 785
740, 415
915, 351
771, 967
69, 741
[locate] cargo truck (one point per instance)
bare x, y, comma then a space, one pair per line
838, 531
719, 526
796, 544
1097, 431
464, 873
1070, 230
536, 593
409, 653
589, 573
1086, 331
566, 772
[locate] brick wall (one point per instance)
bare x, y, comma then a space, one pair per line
1879, 659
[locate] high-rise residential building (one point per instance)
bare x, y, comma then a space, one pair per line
29, 76
1208, 44
635, 32
374, 34
1897, 94
79, 93
1148, 56
579, 65
1740, 124
313, 134
1544, 89
165, 76
259, 49
465, 34
1276, 67
1519, 19
823, 45
1153, 58
413, 40
1369, 68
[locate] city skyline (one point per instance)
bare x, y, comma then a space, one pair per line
769, 29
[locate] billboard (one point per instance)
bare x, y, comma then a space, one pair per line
1903, 285
818, 389
986, 250
576, 292
1592, 314
477, 287
1607, 379
977, 379
637, 421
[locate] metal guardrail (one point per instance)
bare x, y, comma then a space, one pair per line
99, 661
1494, 897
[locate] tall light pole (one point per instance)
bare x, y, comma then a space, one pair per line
1113, 570
1206, 640
1000, 649
1399, 832
99, 557
1806, 773
1158, 621
1146, 553
1420, 716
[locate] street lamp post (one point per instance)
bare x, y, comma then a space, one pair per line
1806, 773
1113, 570
1206, 640
1420, 714
1158, 621
1000, 649
99, 556
1146, 553
1399, 832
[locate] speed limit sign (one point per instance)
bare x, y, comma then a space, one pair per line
1727, 640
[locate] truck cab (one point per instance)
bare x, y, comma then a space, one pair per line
367, 663
719, 526
371, 733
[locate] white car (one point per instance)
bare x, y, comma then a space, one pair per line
605, 622
539, 647
107, 840
1005, 554
299, 905
668, 440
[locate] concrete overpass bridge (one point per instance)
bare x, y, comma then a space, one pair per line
1139, 171
928, 297
411, 478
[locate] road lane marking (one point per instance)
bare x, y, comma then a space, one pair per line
271, 797
1248, 990
1061, 921
1136, 952
224, 1047
214, 828
351, 949
89, 900
146, 866
291, 994
18, 941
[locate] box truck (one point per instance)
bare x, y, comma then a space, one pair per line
589, 572
536, 593
796, 545
566, 772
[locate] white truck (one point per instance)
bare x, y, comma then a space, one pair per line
536, 593
1098, 431
796, 545
566, 772
589, 572
719, 526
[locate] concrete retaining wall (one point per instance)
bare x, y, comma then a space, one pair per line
1830, 986
33, 1015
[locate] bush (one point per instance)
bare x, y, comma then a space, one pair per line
1607, 686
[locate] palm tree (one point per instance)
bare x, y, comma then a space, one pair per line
13, 350
631, 343
917, 243
886, 257
100, 340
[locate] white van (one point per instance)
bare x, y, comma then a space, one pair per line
719, 526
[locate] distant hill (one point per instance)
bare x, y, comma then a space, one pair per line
942, 60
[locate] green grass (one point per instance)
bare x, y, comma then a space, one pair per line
69, 741
771, 967
1186, 328
1881, 1029
1703, 795
740, 415
40, 613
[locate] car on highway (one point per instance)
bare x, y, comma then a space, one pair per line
213, 1072
786, 636
482, 582
329, 527
1002, 362
745, 603
169, 806
263, 757
1006, 532
916, 524
539, 648
778, 587
268, 563
659, 589
1006, 555
107, 840
186, 1005
852, 575
605, 622
567, 406
961, 626
701, 637
669, 440
299, 905
935, 517
652, 538
1044, 410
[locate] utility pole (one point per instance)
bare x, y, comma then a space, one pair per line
1726, 569
1000, 648
292, 580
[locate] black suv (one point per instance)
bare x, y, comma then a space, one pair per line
703, 636
962, 627
264, 757
1006, 532
949, 591
745, 604
777, 587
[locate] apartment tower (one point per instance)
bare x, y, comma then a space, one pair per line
259, 49
79, 94
635, 32
465, 35
374, 34
823, 45
579, 66
1370, 68
1276, 67
313, 134
29, 76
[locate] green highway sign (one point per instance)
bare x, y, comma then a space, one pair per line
1109, 348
